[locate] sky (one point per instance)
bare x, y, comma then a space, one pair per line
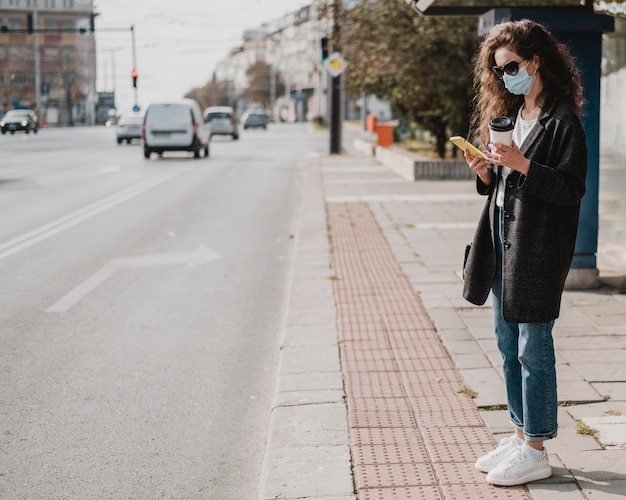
178, 43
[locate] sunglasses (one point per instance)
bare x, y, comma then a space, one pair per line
510, 68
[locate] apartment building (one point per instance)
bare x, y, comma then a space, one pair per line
60, 31
291, 46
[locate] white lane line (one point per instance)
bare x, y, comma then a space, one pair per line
113, 169
46, 231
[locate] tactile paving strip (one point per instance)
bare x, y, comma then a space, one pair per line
406, 493
412, 434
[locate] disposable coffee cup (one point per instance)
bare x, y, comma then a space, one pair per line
501, 130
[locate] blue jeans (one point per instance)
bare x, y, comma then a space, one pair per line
529, 366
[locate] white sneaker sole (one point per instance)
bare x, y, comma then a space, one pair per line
484, 468
532, 475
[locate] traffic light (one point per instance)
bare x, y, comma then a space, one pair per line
29, 23
133, 73
324, 43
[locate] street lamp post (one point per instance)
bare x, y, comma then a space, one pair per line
134, 72
335, 98
37, 60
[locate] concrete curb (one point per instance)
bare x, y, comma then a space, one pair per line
307, 451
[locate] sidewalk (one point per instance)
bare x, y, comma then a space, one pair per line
389, 383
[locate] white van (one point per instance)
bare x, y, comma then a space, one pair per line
175, 126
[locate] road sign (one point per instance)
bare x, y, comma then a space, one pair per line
335, 64
136, 108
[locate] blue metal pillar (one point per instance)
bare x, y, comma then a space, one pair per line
582, 32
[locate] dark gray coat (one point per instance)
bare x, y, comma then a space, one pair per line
540, 221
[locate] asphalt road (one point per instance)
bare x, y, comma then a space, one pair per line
141, 305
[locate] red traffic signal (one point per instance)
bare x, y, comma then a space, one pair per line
133, 74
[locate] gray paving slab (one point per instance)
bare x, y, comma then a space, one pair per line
602, 371
303, 335
600, 467
611, 390
312, 315
310, 381
580, 411
298, 472
603, 490
446, 319
498, 422
489, 346
583, 343
551, 491
487, 384
578, 391
472, 361
617, 406
323, 298
455, 335
304, 397
309, 358
611, 430
566, 372
457, 347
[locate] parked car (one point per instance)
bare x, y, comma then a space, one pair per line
222, 121
19, 119
255, 118
175, 126
129, 128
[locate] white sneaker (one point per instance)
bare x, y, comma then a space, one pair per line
520, 467
495, 457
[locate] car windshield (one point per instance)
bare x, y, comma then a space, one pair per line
14, 113
218, 116
170, 113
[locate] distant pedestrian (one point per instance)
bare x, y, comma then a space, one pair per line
525, 238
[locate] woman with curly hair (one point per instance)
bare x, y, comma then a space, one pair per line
525, 238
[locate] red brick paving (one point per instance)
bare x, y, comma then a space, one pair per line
412, 435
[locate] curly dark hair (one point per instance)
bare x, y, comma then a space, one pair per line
527, 38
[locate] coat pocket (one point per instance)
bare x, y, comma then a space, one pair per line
468, 247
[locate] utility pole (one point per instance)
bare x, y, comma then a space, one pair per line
134, 71
37, 59
335, 88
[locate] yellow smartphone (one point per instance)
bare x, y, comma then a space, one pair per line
464, 144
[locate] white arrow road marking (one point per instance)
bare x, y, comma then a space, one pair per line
200, 256
113, 169
62, 223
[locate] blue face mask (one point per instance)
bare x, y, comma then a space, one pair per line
520, 84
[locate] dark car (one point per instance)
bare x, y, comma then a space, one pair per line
254, 119
19, 119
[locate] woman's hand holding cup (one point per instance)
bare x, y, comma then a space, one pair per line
504, 151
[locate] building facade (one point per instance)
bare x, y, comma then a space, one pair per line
290, 45
60, 32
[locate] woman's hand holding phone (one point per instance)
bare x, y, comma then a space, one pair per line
480, 165
477, 160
